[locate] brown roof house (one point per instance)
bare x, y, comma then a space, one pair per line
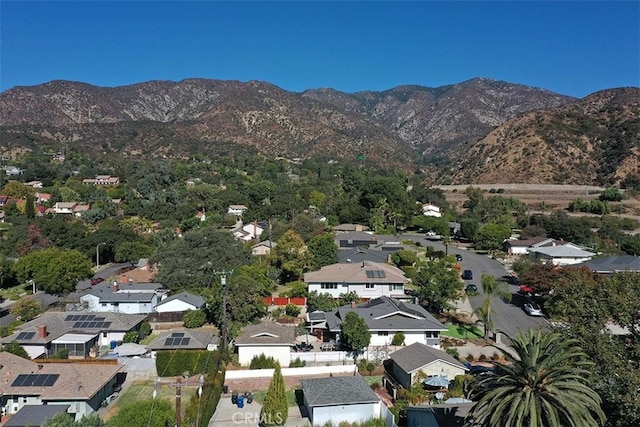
419, 358
185, 339
81, 386
268, 338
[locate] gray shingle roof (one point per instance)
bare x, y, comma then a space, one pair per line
35, 415
266, 333
189, 298
612, 264
337, 391
417, 355
387, 314
199, 339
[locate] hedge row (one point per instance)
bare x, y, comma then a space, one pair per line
199, 411
176, 362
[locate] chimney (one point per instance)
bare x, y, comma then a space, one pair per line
42, 331
116, 288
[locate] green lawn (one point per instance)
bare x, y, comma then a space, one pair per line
143, 390
463, 331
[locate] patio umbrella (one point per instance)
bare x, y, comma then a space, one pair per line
456, 400
438, 381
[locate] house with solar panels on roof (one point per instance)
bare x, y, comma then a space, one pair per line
80, 388
367, 279
185, 339
80, 333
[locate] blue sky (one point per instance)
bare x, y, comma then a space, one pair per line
571, 47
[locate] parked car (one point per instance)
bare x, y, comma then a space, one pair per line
471, 288
96, 280
458, 257
532, 308
467, 275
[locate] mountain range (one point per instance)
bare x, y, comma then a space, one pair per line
477, 131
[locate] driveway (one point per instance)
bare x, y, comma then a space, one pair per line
227, 414
508, 317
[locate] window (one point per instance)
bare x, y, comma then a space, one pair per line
369, 285
328, 286
431, 334
383, 333
397, 287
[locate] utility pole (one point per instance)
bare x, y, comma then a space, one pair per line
223, 322
178, 387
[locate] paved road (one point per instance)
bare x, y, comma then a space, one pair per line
508, 317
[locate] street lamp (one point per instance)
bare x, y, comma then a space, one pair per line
98, 255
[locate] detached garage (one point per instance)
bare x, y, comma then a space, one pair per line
339, 399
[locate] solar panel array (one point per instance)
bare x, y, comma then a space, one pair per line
35, 380
376, 274
81, 317
92, 325
25, 336
176, 341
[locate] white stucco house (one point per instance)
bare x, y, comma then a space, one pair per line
133, 298
268, 338
385, 317
334, 400
184, 301
263, 248
236, 210
249, 232
429, 209
367, 279
419, 358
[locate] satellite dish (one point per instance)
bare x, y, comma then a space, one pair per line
439, 395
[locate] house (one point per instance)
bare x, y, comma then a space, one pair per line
429, 209
34, 184
102, 180
64, 207
419, 358
613, 264
77, 332
560, 255
262, 248
355, 240
249, 232
268, 338
37, 415
237, 210
185, 339
79, 387
386, 317
42, 197
143, 272
335, 400
367, 279
523, 247
184, 301
132, 298
12, 170
442, 415
79, 209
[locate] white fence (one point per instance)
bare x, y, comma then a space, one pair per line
387, 416
287, 372
375, 353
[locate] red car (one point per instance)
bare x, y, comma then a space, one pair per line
526, 290
96, 280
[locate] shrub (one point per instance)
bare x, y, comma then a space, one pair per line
453, 352
262, 361
292, 310
470, 358
297, 363
482, 358
194, 319
398, 339
131, 336
495, 356
275, 409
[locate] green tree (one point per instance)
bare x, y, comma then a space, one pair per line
404, 257
26, 309
355, 333
65, 419
194, 318
468, 228
545, 384
348, 298
132, 252
131, 337
320, 302
14, 348
398, 339
291, 256
491, 288
149, 412
491, 236
275, 409
438, 284
54, 270
323, 250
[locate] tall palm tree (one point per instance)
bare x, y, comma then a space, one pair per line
491, 288
544, 384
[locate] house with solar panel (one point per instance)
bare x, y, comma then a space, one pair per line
81, 388
79, 333
185, 339
367, 279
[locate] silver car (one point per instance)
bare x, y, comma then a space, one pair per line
532, 309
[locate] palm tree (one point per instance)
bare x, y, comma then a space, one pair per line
490, 287
544, 384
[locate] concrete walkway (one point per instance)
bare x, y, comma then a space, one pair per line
227, 414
